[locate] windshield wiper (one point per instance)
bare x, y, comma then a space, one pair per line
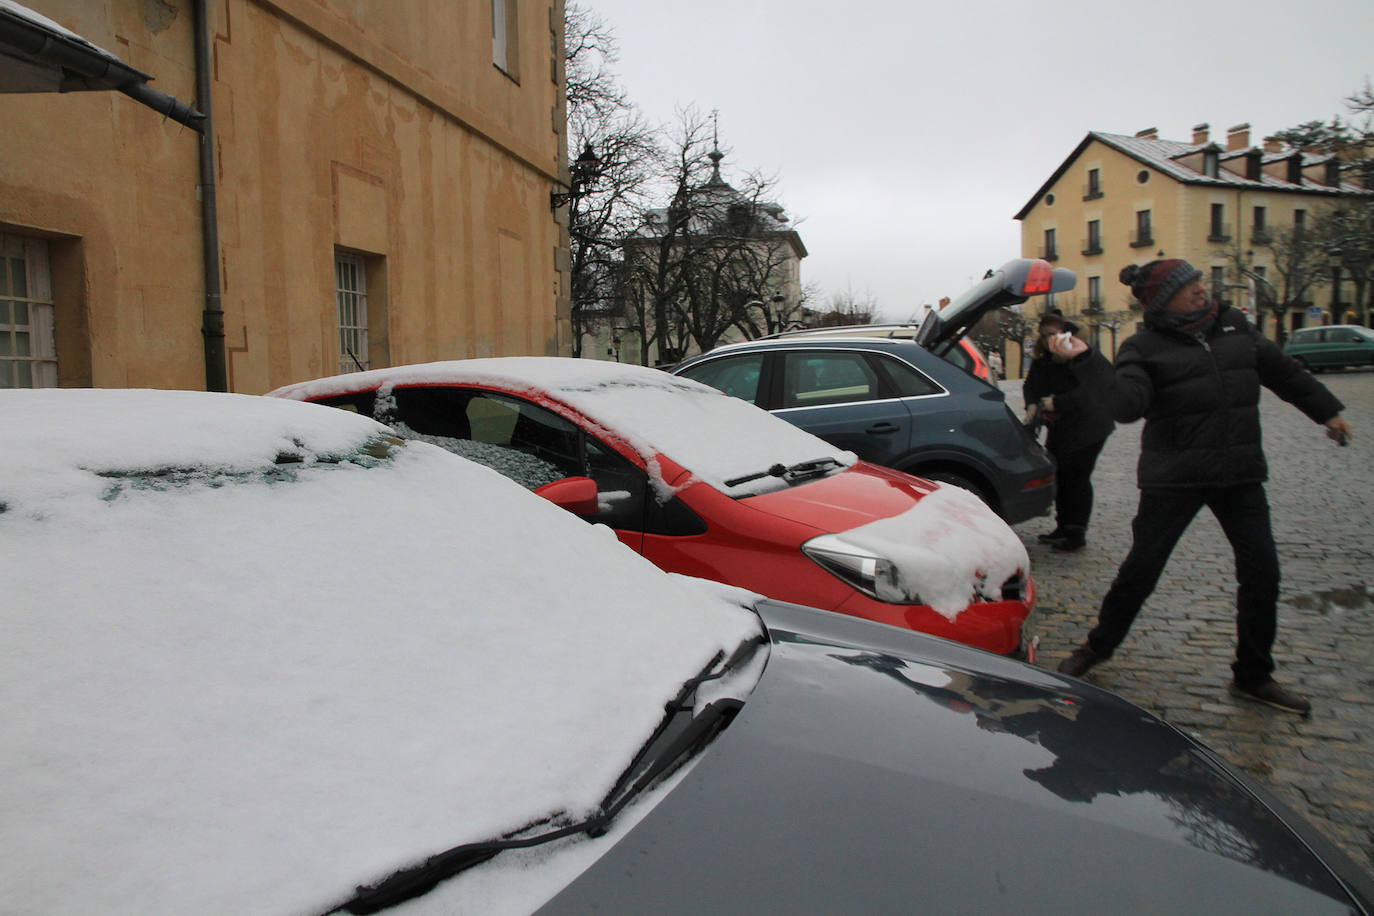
802, 470
678, 737
816, 467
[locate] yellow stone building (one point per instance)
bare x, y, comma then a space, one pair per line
381, 179
1119, 200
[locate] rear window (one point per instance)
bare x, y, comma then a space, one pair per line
908, 382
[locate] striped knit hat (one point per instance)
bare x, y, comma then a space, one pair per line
1155, 283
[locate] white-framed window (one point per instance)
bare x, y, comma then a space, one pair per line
28, 356
350, 295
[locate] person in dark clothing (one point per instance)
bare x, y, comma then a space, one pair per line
1079, 424
1194, 374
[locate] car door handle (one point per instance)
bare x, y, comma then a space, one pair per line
882, 429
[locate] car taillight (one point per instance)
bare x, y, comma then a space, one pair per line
1038, 279
1036, 482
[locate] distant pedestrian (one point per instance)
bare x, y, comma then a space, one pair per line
1079, 423
1194, 374
995, 364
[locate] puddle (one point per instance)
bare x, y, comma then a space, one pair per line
1349, 598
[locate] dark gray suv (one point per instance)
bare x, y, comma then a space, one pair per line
898, 403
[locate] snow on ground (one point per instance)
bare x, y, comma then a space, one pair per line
238, 685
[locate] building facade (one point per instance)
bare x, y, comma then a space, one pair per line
381, 183
1119, 200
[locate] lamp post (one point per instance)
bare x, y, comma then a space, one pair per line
581, 176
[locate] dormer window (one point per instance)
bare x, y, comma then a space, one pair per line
1333, 173
1211, 163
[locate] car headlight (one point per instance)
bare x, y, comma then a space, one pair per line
874, 575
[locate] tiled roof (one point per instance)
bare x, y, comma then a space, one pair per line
1164, 156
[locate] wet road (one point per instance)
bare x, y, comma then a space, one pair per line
1176, 661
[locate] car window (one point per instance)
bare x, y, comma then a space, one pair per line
907, 380
1342, 335
534, 446
527, 443
813, 379
737, 376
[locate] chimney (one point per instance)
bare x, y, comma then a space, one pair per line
1237, 137
1200, 134
1149, 133
1272, 145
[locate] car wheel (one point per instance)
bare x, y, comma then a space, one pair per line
958, 480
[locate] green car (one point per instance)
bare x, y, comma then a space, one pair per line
1332, 347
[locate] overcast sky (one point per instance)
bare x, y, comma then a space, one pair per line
905, 135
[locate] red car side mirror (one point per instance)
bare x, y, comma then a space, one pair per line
576, 494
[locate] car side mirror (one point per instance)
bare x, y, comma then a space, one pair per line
576, 494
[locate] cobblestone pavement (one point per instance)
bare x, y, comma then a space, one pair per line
1176, 660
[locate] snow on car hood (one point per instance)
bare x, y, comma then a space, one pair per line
239, 685
714, 436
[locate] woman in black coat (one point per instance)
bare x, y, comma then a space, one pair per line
1079, 424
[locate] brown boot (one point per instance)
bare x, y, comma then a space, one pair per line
1080, 660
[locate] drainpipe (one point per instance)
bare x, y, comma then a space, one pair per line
212, 318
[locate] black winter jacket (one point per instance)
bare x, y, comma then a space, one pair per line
1199, 396
1082, 418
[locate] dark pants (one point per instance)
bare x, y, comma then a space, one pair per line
1163, 516
1073, 481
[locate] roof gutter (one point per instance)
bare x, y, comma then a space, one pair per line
77, 66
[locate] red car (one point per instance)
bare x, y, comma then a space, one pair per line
711, 486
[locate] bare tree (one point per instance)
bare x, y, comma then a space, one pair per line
847, 308
1300, 262
607, 201
716, 257
1346, 233
1266, 301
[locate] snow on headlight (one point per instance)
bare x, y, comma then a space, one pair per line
949, 547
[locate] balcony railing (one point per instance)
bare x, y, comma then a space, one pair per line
1219, 233
1260, 236
1049, 254
1141, 239
1093, 248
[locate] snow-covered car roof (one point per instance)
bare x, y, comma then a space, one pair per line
255, 653
716, 437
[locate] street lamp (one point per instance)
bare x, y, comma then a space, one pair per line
582, 175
